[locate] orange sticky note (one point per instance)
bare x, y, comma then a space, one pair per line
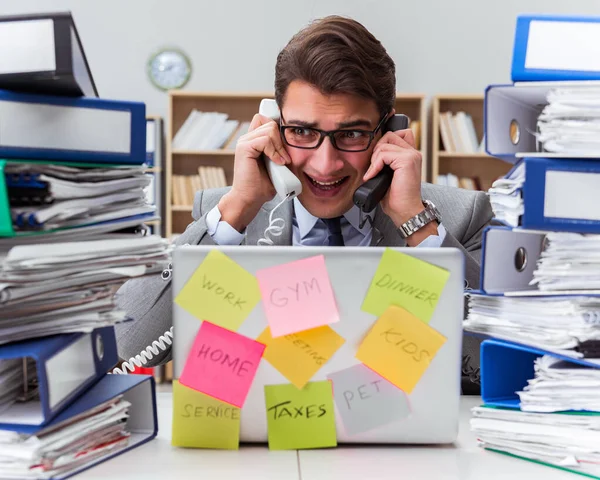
222, 364
297, 296
299, 356
400, 347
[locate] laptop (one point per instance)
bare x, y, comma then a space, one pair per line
433, 402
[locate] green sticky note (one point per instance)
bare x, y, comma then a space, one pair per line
220, 291
405, 281
300, 418
200, 421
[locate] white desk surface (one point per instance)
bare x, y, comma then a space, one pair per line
463, 460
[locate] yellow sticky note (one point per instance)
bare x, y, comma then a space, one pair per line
400, 347
200, 421
220, 291
407, 282
298, 356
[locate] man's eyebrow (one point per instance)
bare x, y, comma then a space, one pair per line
361, 122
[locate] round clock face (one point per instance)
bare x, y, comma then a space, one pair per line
169, 69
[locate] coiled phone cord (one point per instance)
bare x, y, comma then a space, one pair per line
276, 226
151, 350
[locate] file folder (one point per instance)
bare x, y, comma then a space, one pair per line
519, 104
560, 195
72, 129
556, 47
507, 366
43, 53
142, 421
509, 259
66, 365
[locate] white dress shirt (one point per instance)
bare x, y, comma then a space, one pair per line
309, 230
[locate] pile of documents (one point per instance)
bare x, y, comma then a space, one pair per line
570, 122
73, 213
559, 324
569, 261
506, 196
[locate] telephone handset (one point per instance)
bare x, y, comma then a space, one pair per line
366, 197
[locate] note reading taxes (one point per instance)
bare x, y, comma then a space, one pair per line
222, 364
400, 347
298, 419
297, 296
220, 291
200, 421
366, 400
405, 281
299, 356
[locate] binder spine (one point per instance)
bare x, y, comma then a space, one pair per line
6, 226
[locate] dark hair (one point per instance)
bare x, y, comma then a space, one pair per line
338, 55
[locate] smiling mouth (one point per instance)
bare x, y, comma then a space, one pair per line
327, 185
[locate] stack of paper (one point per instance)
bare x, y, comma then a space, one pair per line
569, 261
66, 287
47, 197
62, 447
506, 196
560, 386
570, 122
554, 323
567, 440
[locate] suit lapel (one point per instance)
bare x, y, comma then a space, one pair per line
256, 230
385, 233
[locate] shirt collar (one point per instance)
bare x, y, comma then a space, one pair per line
307, 221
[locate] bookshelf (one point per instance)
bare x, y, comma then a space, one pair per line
240, 106
155, 155
473, 163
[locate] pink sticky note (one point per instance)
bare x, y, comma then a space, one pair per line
297, 296
222, 364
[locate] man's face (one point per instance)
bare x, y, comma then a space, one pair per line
329, 176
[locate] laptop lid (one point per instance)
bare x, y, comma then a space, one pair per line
433, 403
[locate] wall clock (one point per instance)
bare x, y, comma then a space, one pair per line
169, 68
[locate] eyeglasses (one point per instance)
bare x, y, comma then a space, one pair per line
346, 140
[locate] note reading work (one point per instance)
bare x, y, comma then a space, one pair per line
400, 347
220, 291
201, 421
297, 296
298, 419
222, 364
366, 400
405, 281
299, 356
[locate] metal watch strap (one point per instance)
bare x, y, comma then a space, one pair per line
429, 214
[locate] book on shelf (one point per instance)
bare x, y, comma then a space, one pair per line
451, 180
186, 186
458, 133
208, 131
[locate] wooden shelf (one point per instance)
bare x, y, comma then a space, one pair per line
241, 106
479, 165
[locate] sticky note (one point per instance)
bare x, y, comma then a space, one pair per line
407, 282
366, 400
400, 347
298, 419
220, 291
299, 356
222, 364
200, 421
297, 296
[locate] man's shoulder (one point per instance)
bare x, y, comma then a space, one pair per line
206, 200
458, 207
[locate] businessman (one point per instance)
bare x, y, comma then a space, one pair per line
335, 88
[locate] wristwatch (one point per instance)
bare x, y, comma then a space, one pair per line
428, 215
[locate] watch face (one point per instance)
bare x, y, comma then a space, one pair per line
169, 69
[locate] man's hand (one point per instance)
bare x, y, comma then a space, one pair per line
252, 186
403, 199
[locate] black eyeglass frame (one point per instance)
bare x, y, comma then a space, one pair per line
330, 134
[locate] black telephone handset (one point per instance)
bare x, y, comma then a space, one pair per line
370, 193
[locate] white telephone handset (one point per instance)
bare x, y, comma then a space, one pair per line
285, 182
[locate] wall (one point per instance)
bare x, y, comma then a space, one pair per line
439, 46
